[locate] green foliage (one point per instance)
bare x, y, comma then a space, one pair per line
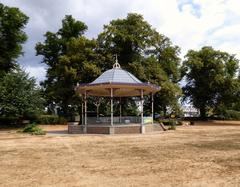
51, 119
19, 95
172, 122
168, 121
172, 127
211, 79
126, 37
12, 23
146, 53
33, 129
8, 121
232, 114
71, 59
228, 115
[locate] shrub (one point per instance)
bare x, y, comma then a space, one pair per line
172, 122
9, 121
168, 122
31, 115
165, 122
51, 119
227, 115
62, 120
33, 129
232, 114
172, 127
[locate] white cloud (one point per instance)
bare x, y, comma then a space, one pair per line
188, 23
38, 72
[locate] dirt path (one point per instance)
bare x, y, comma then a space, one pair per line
190, 156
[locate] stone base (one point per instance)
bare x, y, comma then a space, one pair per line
116, 129
75, 129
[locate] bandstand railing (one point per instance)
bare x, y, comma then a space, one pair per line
117, 120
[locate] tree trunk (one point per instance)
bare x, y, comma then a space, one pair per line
203, 112
98, 111
164, 111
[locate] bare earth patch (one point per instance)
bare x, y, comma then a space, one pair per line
201, 155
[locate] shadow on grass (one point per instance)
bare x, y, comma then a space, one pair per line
232, 164
219, 145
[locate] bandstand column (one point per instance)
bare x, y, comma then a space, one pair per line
82, 114
85, 112
142, 121
120, 110
111, 107
152, 102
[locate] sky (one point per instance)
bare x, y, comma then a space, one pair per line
190, 24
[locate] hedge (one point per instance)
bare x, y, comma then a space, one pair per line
51, 119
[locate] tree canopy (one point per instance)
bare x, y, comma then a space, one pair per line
12, 36
146, 53
211, 77
70, 59
19, 95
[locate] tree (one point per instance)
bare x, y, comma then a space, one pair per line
12, 36
211, 79
129, 38
144, 52
71, 59
19, 95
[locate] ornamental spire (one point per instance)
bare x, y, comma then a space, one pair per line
116, 64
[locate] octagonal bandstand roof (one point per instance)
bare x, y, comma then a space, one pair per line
122, 82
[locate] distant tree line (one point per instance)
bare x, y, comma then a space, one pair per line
211, 77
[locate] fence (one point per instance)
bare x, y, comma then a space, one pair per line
118, 120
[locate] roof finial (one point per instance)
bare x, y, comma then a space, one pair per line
116, 64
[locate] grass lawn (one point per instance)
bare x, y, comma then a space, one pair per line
200, 155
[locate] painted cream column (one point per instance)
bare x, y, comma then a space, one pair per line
111, 107
120, 110
85, 112
142, 121
152, 102
82, 114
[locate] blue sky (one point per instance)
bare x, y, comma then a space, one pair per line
189, 24
195, 7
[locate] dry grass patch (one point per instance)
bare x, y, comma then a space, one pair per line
189, 156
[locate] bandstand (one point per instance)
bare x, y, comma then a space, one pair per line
116, 83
